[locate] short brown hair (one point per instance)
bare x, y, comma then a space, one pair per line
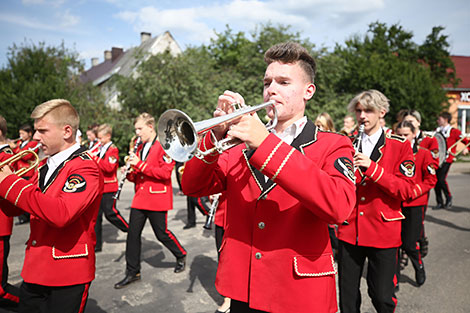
146, 118
3, 127
447, 116
105, 129
370, 99
292, 52
93, 128
61, 111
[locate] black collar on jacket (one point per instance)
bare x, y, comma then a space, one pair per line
43, 170
307, 137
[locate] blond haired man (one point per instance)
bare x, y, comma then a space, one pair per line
108, 162
152, 200
63, 198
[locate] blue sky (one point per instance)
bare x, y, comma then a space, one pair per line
90, 27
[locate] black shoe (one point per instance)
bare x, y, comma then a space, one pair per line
188, 226
448, 203
127, 280
180, 264
424, 247
98, 249
420, 275
439, 206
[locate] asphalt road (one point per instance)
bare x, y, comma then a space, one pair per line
160, 290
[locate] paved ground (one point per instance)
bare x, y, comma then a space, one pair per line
160, 290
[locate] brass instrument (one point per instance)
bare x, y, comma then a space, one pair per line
181, 170
178, 134
458, 144
213, 208
128, 167
34, 164
442, 152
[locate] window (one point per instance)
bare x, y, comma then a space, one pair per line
464, 118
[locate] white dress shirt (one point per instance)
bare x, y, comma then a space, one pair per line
369, 142
55, 160
291, 132
104, 148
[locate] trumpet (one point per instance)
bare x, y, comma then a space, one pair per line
34, 164
178, 134
128, 167
212, 209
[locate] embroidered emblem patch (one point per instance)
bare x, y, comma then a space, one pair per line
346, 167
74, 183
431, 170
407, 168
112, 160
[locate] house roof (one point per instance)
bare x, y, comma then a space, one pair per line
128, 61
462, 69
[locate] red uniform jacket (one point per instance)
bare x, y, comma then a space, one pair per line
6, 222
425, 177
452, 137
376, 218
431, 144
152, 178
60, 250
109, 165
276, 252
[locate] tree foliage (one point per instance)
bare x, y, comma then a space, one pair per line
410, 75
38, 73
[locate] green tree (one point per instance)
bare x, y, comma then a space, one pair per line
388, 60
37, 73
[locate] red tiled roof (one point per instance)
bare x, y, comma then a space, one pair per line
462, 68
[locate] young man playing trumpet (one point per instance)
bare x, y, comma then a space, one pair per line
283, 189
63, 199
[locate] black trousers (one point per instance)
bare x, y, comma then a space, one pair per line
441, 186
200, 204
112, 214
242, 307
158, 221
44, 299
381, 279
7, 291
410, 233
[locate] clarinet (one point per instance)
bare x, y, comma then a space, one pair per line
358, 143
213, 208
128, 167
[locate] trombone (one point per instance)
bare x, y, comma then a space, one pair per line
19, 156
456, 144
178, 134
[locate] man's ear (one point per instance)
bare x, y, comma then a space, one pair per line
382, 113
309, 91
68, 132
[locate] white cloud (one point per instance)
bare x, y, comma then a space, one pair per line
67, 20
197, 22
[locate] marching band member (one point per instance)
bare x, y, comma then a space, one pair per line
26, 142
8, 292
152, 200
92, 136
276, 254
431, 144
425, 180
108, 162
349, 126
452, 135
63, 199
385, 171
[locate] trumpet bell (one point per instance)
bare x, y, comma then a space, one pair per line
177, 135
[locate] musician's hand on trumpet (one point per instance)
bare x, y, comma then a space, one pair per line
248, 128
4, 172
